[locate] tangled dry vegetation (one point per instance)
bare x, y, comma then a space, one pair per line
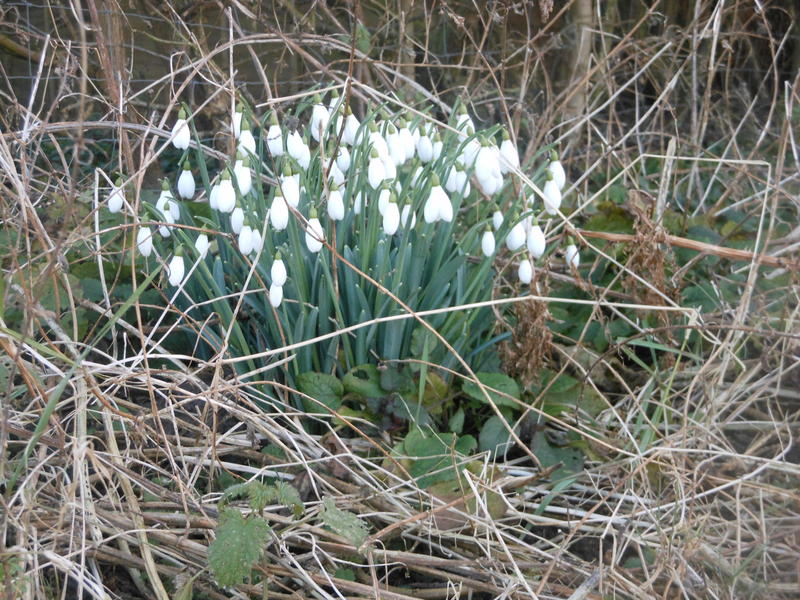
116, 449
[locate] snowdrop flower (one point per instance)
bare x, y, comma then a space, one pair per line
556, 169
117, 197
279, 213
384, 197
176, 268
425, 148
335, 203
247, 143
319, 119
407, 139
525, 271
181, 136
376, 171
144, 241
404, 216
395, 144
464, 123
438, 206
237, 120
487, 169
552, 195
277, 272
290, 187
497, 220
572, 256
451, 183
246, 240
275, 295
256, 241
463, 182
226, 195
343, 158
186, 184
469, 153
391, 218
488, 243
213, 197
358, 202
516, 237
201, 244
295, 145
509, 157
168, 208
275, 136
379, 143
351, 125
244, 179
437, 146
237, 219
535, 240
335, 174
314, 233
305, 157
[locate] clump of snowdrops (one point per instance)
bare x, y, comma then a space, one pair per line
310, 229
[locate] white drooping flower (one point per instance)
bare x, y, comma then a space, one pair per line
379, 144
117, 197
237, 120
488, 243
552, 195
404, 216
305, 157
290, 187
181, 136
275, 136
391, 218
384, 197
437, 206
464, 123
487, 169
319, 120
497, 220
395, 144
407, 139
277, 272
164, 205
237, 220
516, 237
314, 233
343, 158
376, 170
525, 271
186, 184
247, 143
509, 157
535, 241
425, 148
279, 213
213, 197
572, 256
451, 182
144, 241
257, 241
295, 145
176, 268
556, 169
275, 295
244, 178
335, 174
246, 239
351, 125
358, 202
437, 146
226, 196
335, 204
469, 154
201, 244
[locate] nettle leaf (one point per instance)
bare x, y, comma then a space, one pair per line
289, 497
239, 544
320, 386
499, 381
343, 523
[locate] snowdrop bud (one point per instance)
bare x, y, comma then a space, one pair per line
279, 213
176, 268
376, 171
144, 241
314, 233
117, 197
437, 146
275, 136
509, 157
245, 240
237, 220
425, 148
391, 218
275, 295
257, 241
186, 185
535, 241
572, 256
237, 120
552, 195
201, 244
516, 237
488, 243
290, 187
319, 119
244, 179
383, 200
213, 197
335, 204
247, 143
295, 145
404, 216
181, 136
351, 125
278, 271
556, 169
226, 197
497, 220
525, 271
343, 158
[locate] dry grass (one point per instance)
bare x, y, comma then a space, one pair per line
691, 485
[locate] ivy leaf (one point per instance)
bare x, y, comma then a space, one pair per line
322, 387
499, 381
343, 523
238, 545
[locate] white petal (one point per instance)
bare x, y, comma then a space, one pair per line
376, 172
536, 242
181, 135
237, 220
115, 199
186, 185
343, 158
244, 178
314, 235
335, 205
275, 295
275, 140
290, 188
246, 240
391, 218
201, 244
488, 243
525, 271
404, 216
497, 220
552, 197
176, 270
516, 237
572, 256
351, 125
226, 199
247, 143
278, 272
213, 197
257, 241
279, 213
559, 176
509, 156
144, 241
